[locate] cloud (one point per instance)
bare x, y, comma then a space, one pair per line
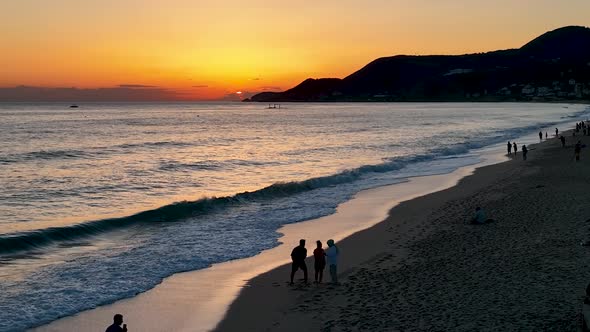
120, 93
134, 86
270, 88
200, 86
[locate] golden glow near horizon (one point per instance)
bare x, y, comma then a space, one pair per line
207, 49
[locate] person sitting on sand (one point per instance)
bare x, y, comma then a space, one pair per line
298, 256
332, 254
509, 145
319, 256
116, 327
524, 152
480, 217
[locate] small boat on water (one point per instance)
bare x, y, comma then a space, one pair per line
73, 106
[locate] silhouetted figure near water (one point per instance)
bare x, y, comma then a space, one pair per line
546, 135
556, 132
332, 255
562, 139
515, 148
298, 256
540, 136
509, 145
524, 152
577, 150
116, 327
319, 263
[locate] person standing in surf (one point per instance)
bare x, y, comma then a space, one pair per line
540, 136
509, 146
298, 256
515, 147
319, 264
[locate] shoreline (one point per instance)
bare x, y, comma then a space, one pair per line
214, 291
424, 268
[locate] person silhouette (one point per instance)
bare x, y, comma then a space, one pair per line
524, 152
556, 132
546, 135
562, 139
540, 136
319, 265
116, 327
509, 145
577, 150
298, 256
515, 147
332, 254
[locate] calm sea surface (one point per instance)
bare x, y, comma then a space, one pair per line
101, 202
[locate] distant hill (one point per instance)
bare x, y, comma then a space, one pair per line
552, 67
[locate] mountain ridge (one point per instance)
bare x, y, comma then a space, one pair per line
554, 66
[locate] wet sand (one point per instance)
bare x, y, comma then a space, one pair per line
426, 269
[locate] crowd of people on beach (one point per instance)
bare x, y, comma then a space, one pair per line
320, 256
525, 150
582, 126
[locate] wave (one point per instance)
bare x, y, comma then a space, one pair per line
45, 155
15, 242
90, 153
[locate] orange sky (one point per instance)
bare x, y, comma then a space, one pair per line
207, 49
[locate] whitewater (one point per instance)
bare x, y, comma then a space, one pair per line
102, 202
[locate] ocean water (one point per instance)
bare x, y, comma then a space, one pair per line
104, 201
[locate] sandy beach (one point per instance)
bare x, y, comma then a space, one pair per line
425, 268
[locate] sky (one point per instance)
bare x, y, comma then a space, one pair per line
212, 49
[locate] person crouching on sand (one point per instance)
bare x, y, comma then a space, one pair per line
319, 256
116, 327
332, 255
480, 217
298, 256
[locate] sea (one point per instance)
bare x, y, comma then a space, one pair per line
101, 202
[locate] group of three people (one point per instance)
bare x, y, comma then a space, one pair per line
299, 254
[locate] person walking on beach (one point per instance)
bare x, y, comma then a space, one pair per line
540, 136
562, 139
116, 327
298, 256
319, 263
332, 255
515, 147
509, 145
524, 152
577, 150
